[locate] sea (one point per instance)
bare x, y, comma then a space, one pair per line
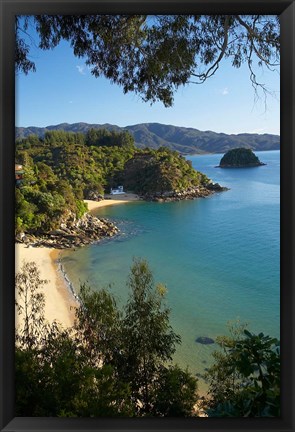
218, 256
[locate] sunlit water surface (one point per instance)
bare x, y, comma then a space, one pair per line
218, 256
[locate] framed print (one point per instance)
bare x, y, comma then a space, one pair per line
147, 225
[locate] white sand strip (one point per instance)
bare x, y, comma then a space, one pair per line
112, 200
59, 302
58, 299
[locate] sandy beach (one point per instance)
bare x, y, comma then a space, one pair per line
112, 200
59, 301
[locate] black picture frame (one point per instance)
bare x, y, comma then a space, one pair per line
10, 8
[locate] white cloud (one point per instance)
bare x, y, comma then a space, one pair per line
81, 69
224, 91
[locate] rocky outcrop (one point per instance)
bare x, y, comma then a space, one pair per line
73, 233
93, 195
216, 187
191, 193
205, 340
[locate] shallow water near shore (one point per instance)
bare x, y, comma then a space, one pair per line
218, 256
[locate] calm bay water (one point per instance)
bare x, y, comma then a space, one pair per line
218, 256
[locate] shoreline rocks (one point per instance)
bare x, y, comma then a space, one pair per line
191, 193
204, 340
89, 229
241, 166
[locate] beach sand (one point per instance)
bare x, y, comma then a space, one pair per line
59, 301
112, 200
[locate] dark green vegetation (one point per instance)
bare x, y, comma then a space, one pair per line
155, 55
159, 171
239, 158
181, 139
112, 363
118, 361
63, 168
245, 378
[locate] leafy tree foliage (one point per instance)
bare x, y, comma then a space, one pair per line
245, 379
30, 304
62, 169
154, 55
148, 339
53, 374
118, 362
44, 200
98, 325
112, 363
56, 380
103, 137
174, 393
161, 170
55, 138
137, 343
89, 164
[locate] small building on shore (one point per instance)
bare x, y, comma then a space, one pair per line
117, 191
19, 174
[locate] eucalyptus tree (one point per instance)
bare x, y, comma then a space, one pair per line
149, 341
154, 55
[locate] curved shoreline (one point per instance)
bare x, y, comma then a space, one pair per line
60, 296
68, 283
110, 200
59, 303
60, 290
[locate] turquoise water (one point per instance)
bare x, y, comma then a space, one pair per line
218, 256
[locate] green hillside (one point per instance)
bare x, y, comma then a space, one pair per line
64, 168
184, 140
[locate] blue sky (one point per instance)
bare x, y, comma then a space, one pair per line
63, 90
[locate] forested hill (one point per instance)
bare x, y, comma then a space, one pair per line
181, 139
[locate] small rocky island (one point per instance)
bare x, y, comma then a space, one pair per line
239, 158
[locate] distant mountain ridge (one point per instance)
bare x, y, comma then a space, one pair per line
182, 139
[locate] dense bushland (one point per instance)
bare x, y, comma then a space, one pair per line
118, 361
64, 168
